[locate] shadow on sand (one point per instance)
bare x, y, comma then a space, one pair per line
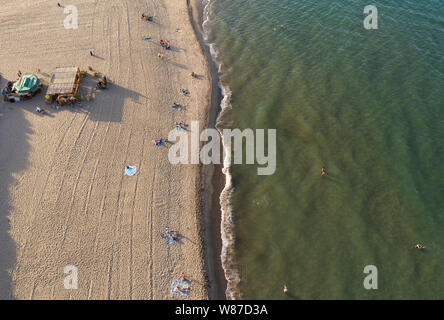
14, 146
112, 98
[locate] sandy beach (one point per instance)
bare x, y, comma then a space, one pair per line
64, 199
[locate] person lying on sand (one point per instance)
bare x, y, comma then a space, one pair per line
177, 106
40, 110
181, 125
146, 17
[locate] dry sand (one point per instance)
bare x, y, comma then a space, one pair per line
63, 197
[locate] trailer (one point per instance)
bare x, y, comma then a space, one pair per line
26, 87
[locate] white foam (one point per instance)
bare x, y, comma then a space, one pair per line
227, 231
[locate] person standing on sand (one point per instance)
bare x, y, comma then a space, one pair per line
91, 53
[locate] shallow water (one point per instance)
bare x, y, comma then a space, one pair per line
368, 105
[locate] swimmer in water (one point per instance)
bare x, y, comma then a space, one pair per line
419, 246
285, 289
323, 172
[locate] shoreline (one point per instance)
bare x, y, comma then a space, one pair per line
213, 181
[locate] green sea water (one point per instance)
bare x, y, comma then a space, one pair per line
368, 105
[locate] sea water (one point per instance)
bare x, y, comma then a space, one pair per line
368, 105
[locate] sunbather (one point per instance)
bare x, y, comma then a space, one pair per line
158, 142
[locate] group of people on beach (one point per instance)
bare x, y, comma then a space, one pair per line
180, 125
165, 44
172, 234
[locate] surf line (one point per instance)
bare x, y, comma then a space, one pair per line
210, 152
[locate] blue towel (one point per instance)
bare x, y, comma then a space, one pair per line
130, 170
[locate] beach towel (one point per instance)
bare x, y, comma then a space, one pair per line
130, 170
147, 38
169, 236
170, 240
176, 284
178, 30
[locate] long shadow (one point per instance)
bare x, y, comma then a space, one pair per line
113, 98
98, 57
179, 65
14, 148
199, 77
186, 238
292, 296
176, 49
195, 281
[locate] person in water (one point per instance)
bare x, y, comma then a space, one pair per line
419, 246
285, 289
323, 172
